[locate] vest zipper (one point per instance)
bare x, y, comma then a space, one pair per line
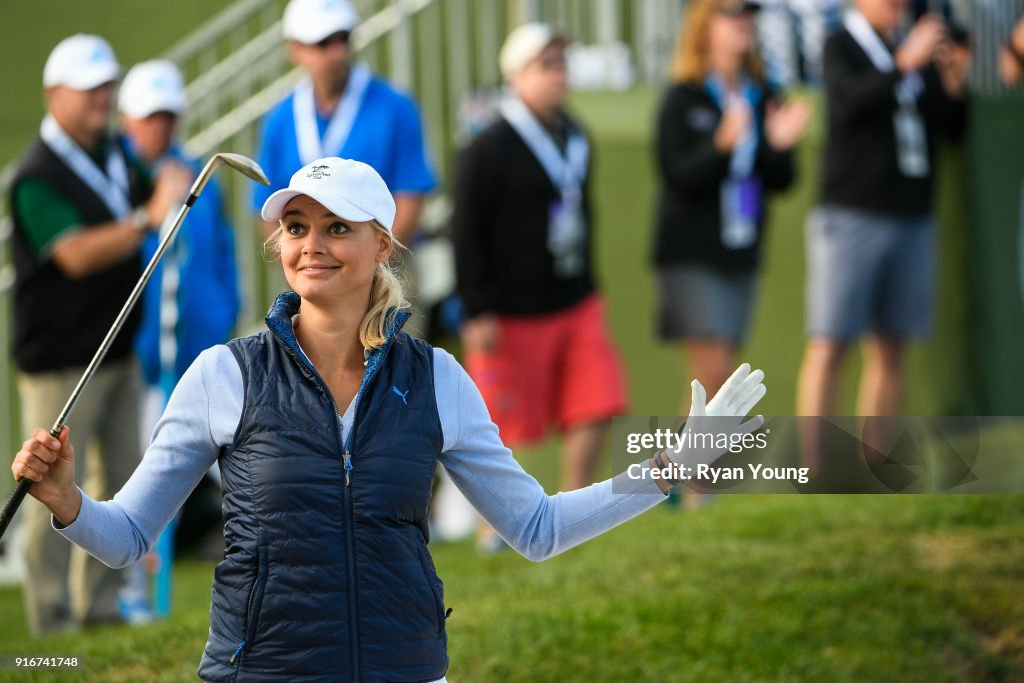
237, 652
346, 444
352, 621
346, 447
249, 616
347, 457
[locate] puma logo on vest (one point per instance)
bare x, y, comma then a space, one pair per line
401, 394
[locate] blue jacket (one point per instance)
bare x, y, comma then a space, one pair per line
203, 255
326, 574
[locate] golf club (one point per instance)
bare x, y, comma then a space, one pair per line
243, 165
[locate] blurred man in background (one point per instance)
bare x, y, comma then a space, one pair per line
192, 302
81, 211
342, 109
198, 277
536, 340
871, 241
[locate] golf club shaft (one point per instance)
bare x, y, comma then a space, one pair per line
16, 498
115, 329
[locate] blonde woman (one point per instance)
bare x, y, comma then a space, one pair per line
723, 141
327, 428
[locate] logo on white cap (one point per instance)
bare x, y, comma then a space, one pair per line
319, 171
347, 188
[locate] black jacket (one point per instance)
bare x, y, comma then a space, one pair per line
503, 198
861, 167
59, 321
692, 171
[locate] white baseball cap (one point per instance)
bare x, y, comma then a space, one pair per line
310, 21
81, 62
349, 189
525, 44
150, 87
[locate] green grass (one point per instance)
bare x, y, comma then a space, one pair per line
751, 588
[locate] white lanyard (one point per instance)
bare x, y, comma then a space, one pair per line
170, 282
566, 172
111, 187
169, 285
744, 153
910, 87
911, 137
306, 133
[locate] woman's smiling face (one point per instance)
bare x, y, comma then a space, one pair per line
327, 258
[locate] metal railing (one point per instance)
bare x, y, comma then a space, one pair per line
435, 49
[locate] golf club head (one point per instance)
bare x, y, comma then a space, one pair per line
242, 164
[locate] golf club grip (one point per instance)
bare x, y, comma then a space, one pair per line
13, 503
19, 493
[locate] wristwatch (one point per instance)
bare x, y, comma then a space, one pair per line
140, 219
662, 462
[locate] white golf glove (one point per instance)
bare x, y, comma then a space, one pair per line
723, 416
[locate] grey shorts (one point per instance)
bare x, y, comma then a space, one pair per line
868, 272
700, 302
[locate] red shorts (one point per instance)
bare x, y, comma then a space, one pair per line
558, 369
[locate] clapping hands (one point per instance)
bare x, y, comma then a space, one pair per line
786, 123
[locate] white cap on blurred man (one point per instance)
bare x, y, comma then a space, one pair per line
524, 44
310, 21
81, 62
349, 189
151, 87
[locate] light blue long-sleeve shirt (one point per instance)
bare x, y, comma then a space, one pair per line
204, 412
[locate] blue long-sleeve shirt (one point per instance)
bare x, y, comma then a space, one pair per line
207, 296
203, 414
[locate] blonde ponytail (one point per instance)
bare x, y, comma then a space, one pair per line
387, 298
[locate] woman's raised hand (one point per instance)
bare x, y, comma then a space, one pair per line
736, 398
49, 463
722, 417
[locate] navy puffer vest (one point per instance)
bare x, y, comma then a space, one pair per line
326, 574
